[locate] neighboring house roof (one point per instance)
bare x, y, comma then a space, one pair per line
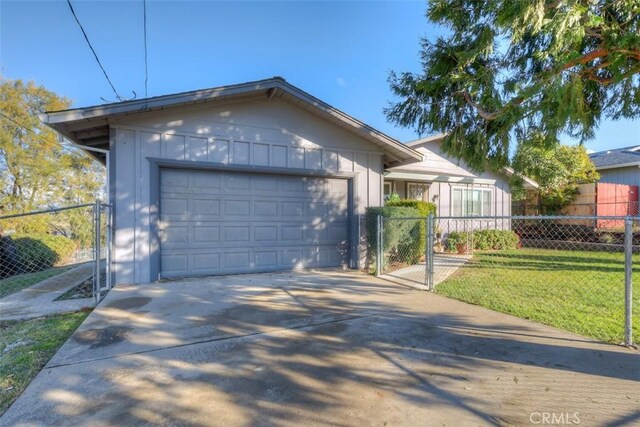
89, 126
617, 158
439, 166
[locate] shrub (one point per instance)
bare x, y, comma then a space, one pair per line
393, 197
484, 239
418, 246
37, 252
455, 238
424, 208
396, 235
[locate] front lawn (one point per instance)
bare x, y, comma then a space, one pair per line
579, 291
16, 283
26, 346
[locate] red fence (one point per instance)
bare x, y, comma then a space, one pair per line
615, 200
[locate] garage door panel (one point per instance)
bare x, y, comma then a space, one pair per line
236, 233
266, 259
265, 233
236, 182
236, 259
174, 180
265, 208
292, 233
291, 208
205, 207
205, 262
205, 182
175, 235
175, 263
205, 234
291, 185
171, 206
337, 232
235, 208
268, 183
227, 222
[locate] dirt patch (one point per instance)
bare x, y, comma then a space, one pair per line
83, 290
129, 303
96, 338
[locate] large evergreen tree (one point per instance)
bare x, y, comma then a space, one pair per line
511, 69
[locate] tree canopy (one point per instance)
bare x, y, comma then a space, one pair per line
558, 170
510, 70
37, 172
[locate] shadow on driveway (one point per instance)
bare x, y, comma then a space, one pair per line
320, 348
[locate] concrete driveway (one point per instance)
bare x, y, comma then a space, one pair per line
321, 348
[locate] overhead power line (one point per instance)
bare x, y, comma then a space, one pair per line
84, 33
146, 66
65, 146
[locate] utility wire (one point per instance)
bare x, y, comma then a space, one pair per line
63, 144
73, 12
146, 67
17, 123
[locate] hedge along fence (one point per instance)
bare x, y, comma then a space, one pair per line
394, 233
37, 252
424, 209
404, 240
484, 239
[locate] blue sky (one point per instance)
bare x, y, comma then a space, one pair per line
341, 52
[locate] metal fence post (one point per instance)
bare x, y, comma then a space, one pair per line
108, 247
98, 243
429, 251
379, 250
628, 284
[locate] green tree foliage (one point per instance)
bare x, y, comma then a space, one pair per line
37, 172
558, 169
508, 69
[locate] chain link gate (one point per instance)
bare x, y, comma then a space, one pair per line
54, 260
571, 272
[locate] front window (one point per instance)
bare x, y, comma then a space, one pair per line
417, 190
471, 202
388, 188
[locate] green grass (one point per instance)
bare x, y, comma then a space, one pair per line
31, 344
17, 283
579, 291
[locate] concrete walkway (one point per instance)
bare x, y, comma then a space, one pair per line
39, 300
320, 348
415, 276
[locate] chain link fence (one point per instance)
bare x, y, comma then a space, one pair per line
51, 257
571, 272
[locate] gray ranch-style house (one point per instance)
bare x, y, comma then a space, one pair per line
255, 177
450, 183
618, 166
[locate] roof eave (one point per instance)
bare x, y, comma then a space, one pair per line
619, 165
397, 151
528, 182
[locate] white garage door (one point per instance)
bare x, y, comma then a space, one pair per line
226, 222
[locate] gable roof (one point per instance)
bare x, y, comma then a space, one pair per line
617, 158
89, 126
447, 165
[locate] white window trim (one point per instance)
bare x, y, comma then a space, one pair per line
391, 188
465, 196
425, 194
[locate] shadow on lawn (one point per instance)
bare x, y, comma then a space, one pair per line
551, 262
328, 346
546, 255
